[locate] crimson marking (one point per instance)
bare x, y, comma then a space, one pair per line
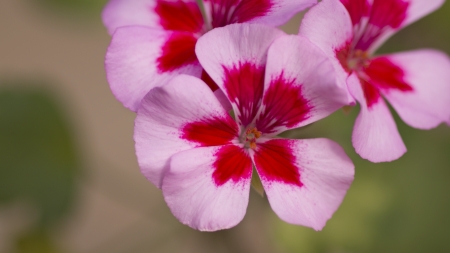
388, 13
244, 84
251, 9
232, 163
179, 16
371, 93
342, 54
178, 51
211, 132
284, 105
275, 162
386, 75
208, 80
357, 9
225, 12
222, 12
382, 15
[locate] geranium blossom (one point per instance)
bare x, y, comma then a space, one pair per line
154, 40
188, 144
416, 83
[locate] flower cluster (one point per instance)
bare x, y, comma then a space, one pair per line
213, 83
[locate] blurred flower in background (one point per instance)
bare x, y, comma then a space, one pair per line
69, 181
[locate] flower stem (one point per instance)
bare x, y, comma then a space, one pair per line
201, 6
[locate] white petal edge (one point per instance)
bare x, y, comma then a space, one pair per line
195, 199
131, 64
326, 173
428, 72
164, 111
375, 135
328, 26
119, 13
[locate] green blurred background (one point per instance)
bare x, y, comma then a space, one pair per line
69, 180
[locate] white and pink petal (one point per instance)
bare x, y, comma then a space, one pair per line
267, 12
305, 180
270, 12
375, 135
208, 188
328, 26
235, 58
300, 86
417, 85
140, 58
182, 115
170, 15
388, 16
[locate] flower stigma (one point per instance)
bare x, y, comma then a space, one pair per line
250, 136
358, 60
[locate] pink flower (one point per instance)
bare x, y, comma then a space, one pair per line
416, 83
190, 146
154, 40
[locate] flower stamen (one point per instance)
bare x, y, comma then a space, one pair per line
358, 60
250, 137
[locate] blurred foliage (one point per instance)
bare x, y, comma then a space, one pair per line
73, 8
36, 242
38, 161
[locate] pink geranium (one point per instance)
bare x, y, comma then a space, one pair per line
188, 144
416, 83
154, 40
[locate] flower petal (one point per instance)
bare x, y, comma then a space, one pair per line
305, 180
235, 58
329, 27
208, 188
275, 13
388, 16
139, 59
375, 135
267, 12
428, 73
181, 115
300, 86
182, 15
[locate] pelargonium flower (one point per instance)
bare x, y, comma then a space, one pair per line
154, 40
188, 144
415, 83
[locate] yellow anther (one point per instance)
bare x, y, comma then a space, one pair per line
358, 60
251, 134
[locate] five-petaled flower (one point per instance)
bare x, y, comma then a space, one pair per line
416, 83
154, 40
188, 144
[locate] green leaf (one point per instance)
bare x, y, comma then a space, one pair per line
38, 162
77, 7
256, 183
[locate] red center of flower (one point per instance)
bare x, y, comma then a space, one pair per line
375, 74
352, 60
358, 60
